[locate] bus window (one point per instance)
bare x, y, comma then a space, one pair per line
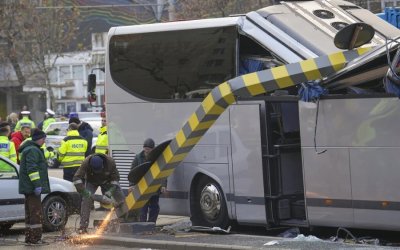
173, 65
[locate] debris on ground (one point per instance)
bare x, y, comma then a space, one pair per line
290, 233
271, 243
210, 229
181, 226
302, 237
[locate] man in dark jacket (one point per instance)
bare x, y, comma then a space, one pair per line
149, 212
97, 170
85, 130
33, 182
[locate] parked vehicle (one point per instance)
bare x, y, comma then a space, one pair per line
57, 205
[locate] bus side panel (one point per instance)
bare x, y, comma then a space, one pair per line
327, 187
375, 176
247, 164
365, 132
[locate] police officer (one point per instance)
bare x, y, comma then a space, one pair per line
72, 151
7, 147
49, 118
25, 121
102, 139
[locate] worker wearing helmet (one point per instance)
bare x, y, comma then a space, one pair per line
97, 170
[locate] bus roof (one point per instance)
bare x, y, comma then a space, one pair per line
179, 25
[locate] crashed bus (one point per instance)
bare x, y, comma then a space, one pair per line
236, 150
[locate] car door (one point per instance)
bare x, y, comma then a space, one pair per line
11, 202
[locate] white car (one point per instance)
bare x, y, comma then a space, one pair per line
57, 205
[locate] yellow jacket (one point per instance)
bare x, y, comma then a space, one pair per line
25, 121
7, 149
102, 141
72, 150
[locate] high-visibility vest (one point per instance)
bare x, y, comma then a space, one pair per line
24, 122
71, 153
7, 149
47, 122
102, 141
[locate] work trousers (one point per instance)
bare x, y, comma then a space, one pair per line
151, 209
69, 173
118, 196
33, 218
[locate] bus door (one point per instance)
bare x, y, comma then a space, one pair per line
247, 172
282, 163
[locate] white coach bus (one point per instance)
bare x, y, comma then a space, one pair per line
258, 164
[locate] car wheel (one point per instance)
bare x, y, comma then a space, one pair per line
209, 206
55, 214
5, 227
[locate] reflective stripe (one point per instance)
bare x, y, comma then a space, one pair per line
78, 181
114, 182
34, 176
33, 226
71, 164
75, 154
13, 155
101, 147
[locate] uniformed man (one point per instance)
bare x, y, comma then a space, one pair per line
49, 119
25, 121
7, 147
72, 152
102, 139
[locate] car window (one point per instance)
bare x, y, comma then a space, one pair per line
7, 171
57, 129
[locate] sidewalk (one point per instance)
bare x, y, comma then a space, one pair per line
185, 240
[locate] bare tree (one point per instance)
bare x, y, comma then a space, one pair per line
10, 36
35, 36
196, 9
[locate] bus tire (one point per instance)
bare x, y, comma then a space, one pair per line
209, 206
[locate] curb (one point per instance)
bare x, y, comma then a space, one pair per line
162, 244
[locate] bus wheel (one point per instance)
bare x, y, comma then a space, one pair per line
209, 206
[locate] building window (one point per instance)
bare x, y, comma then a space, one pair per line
77, 72
85, 107
65, 73
71, 107
60, 110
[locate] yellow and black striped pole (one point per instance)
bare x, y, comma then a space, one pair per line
215, 104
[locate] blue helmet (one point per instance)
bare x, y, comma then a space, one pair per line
96, 163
